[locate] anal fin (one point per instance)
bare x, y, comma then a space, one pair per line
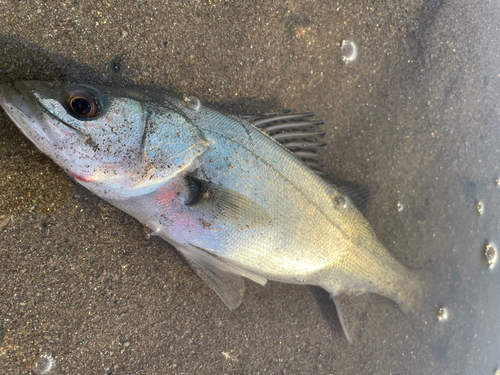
349, 313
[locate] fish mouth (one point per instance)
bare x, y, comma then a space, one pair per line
30, 116
20, 95
21, 98
34, 121
24, 111
12, 99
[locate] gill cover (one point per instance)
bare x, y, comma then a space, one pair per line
171, 145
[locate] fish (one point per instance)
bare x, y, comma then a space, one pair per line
240, 197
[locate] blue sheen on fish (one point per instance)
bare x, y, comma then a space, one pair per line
234, 201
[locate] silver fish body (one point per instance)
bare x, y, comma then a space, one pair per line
231, 199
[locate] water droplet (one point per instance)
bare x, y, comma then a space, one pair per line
480, 207
491, 255
349, 51
193, 102
151, 230
342, 201
400, 207
497, 183
43, 364
442, 314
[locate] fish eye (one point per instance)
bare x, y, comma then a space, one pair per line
83, 104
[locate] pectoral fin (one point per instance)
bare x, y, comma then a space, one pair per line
225, 204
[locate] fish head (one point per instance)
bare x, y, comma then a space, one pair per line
114, 142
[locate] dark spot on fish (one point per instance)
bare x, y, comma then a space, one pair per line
195, 190
205, 224
199, 191
90, 142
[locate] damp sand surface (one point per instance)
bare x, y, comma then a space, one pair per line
413, 116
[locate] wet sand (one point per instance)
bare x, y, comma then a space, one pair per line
414, 118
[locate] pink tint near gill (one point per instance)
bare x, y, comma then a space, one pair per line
185, 218
67, 132
165, 196
83, 178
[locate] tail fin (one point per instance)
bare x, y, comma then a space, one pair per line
409, 296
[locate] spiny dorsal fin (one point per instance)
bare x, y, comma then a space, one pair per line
296, 131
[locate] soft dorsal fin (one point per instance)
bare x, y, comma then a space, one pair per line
298, 132
360, 195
